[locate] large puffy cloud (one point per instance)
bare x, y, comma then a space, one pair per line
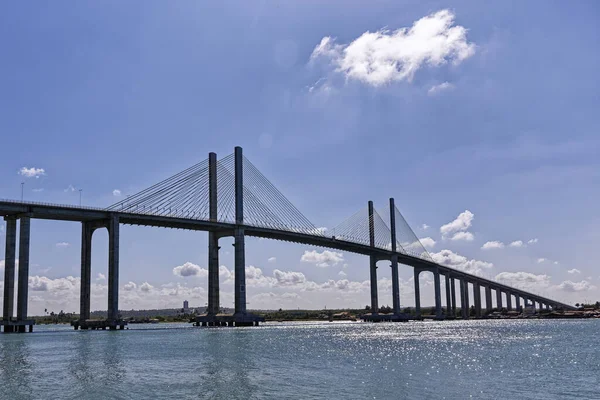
427, 242
45, 284
382, 57
574, 271
524, 280
457, 229
289, 278
146, 287
517, 243
457, 261
130, 286
467, 236
190, 269
569, 286
325, 259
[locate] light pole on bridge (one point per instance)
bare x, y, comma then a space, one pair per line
80, 190
22, 186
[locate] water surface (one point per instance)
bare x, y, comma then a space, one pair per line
506, 359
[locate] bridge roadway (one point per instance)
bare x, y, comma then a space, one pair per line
94, 218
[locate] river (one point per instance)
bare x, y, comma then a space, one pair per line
485, 359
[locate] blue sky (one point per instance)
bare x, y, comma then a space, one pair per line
490, 108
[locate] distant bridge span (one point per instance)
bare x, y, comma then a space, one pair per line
192, 200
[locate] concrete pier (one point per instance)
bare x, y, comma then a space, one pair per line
417, 293
213, 239
498, 299
488, 299
23, 282
373, 262
438, 295
477, 299
464, 298
394, 261
86, 271
509, 301
113, 271
448, 295
453, 295
518, 302
9, 273
239, 238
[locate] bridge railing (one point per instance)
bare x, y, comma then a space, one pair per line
40, 203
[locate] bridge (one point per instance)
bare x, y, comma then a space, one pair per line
231, 198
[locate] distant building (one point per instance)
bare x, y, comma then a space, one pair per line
186, 307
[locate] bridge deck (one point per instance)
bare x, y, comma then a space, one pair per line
87, 214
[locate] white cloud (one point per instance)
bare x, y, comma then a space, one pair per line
272, 259
524, 280
100, 277
325, 259
556, 262
63, 244
541, 260
492, 245
467, 236
456, 261
37, 190
460, 224
517, 243
424, 227
70, 188
442, 87
130, 286
116, 192
532, 241
146, 287
190, 269
382, 57
32, 172
289, 278
569, 286
427, 242
45, 284
574, 271
342, 273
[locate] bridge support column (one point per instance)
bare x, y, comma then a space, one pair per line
240, 272
239, 237
453, 295
448, 295
477, 299
488, 299
518, 302
213, 239
394, 261
9, 272
23, 283
508, 301
374, 299
438, 295
86, 271
417, 293
498, 299
464, 298
395, 286
373, 262
113, 271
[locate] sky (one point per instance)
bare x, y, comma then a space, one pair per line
480, 119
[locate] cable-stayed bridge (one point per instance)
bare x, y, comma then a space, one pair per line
230, 197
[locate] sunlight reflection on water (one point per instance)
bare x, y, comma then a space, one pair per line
506, 359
